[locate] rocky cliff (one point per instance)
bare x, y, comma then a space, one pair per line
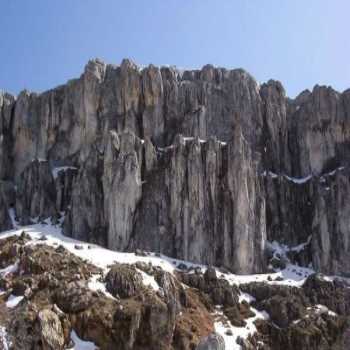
203, 165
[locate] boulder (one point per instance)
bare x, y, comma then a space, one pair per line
51, 331
124, 281
213, 341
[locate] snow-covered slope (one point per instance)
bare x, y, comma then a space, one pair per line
292, 275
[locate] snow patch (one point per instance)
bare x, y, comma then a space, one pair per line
12, 215
56, 170
9, 269
41, 160
5, 344
231, 333
96, 255
322, 309
188, 138
246, 297
80, 344
104, 258
281, 250
149, 280
299, 180
292, 275
298, 248
332, 173
13, 301
97, 286
270, 173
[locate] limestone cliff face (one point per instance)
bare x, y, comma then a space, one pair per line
204, 165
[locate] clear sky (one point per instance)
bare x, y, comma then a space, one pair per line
299, 42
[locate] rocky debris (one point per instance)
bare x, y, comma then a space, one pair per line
74, 297
278, 263
58, 299
333, 294
238, 313
212, 342
45, 260
172, 291
182, 266
263, 290
11, 248
219, 290
52, 336
210, 274
311, 332
194, 322
143, 320
124, 281
179, 315
317, 312
284, 304
283, 311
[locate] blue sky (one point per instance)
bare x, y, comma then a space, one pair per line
46, 42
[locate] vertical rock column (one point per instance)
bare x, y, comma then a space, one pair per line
7, 103
36, 194
122, 187
330, 242
5, 220
247, 235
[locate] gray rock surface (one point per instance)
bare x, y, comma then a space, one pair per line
123, 281
212, 342
52, 336
36, 194
5, 220
203, 165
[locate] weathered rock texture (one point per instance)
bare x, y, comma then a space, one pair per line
58, 300
204, 165
5, 220
178, 312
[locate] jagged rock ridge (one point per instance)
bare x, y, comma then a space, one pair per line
204, 165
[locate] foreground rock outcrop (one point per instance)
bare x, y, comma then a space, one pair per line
57, 299
204, 165
50, 298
